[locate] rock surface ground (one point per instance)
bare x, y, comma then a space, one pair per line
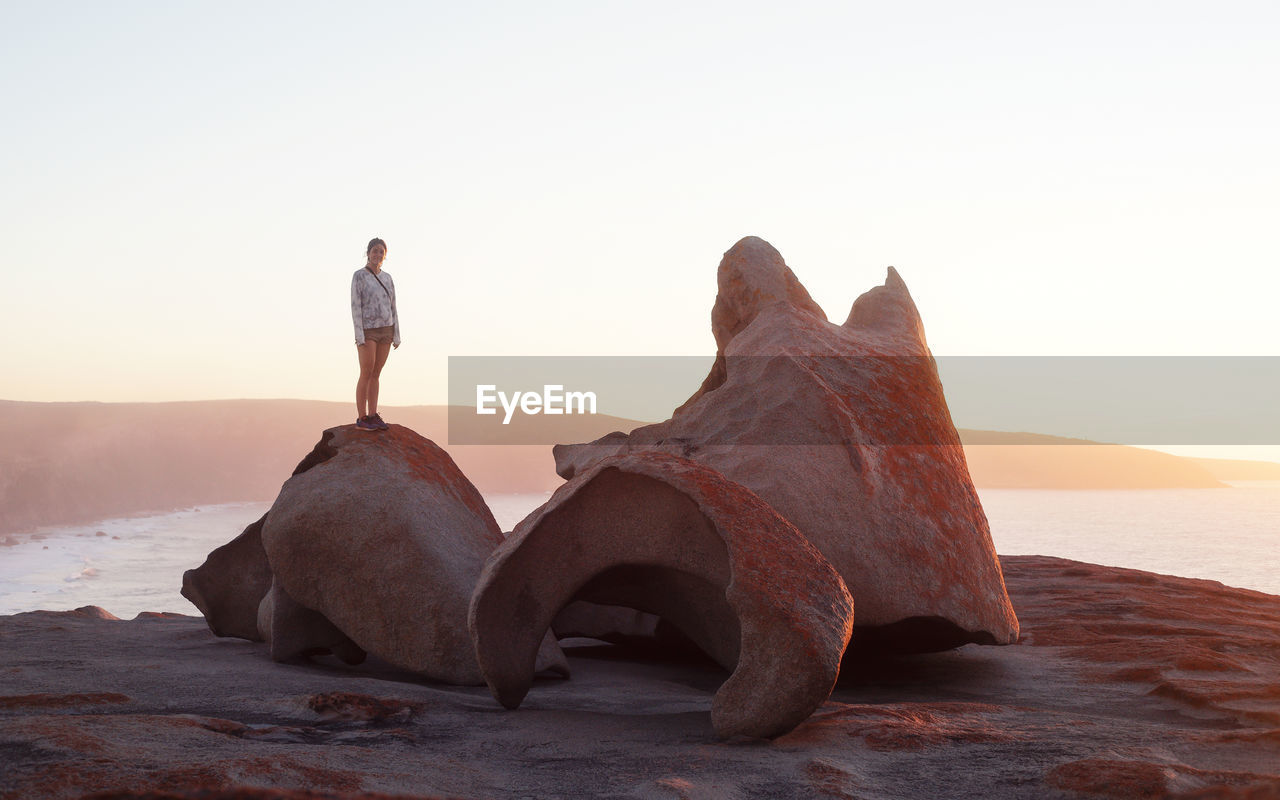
1125, 684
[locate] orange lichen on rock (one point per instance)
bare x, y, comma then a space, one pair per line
231, 779
1156, 629
89, 612
830, 779
239, 792
1120, 779
350, 706
44, 700
1205, 660
906, 726
1139, 780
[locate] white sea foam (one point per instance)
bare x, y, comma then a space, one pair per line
1230, 535
125, 565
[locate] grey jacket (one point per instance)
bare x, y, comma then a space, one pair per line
372, 306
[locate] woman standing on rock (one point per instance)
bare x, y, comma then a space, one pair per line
373, 310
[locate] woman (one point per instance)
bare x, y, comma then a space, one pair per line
373, 310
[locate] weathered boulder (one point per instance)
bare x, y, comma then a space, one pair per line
231, 583
845, 431
668, 536
383, 536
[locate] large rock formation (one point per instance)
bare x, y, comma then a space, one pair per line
844, 430
671, 537
372, 546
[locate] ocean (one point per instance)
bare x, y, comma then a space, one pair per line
135, 564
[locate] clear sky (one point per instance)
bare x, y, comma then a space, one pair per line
187, 187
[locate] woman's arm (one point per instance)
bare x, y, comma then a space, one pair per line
357, 309
395, 316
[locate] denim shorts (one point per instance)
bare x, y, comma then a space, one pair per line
383, 335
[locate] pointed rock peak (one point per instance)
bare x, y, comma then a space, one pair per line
888, 309
894, 281
753, 276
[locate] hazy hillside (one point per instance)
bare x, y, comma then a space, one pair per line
74, 462
1037, 461
1225, 469
69, 462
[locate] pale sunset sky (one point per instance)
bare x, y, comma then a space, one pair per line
188, 186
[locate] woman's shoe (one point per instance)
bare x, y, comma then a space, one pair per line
378, 423
367, 424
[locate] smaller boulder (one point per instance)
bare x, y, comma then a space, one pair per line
383, 536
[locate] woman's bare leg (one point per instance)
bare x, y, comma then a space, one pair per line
379, 360
368, 355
